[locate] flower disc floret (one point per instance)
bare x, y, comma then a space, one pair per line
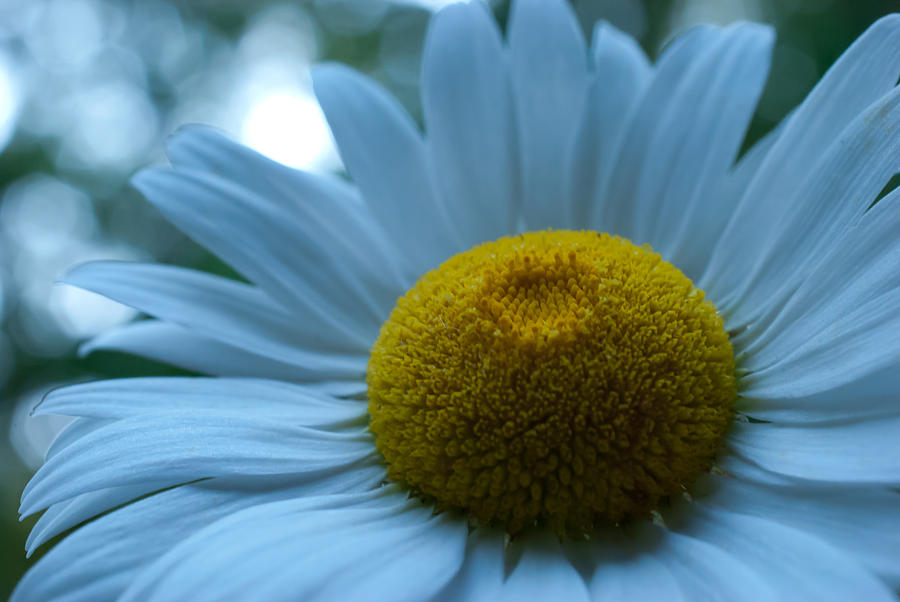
558, 377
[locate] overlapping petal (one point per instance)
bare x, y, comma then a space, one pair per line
682, 143
470, 122
855, 285
855, 520
703, 570
842, 451
871, 397
312, 549
179, 447
793, 564
543, 572
616, 84
232, 312
483, 571
283, 255
138, 534
386, 156
864, 73
171, 344
625, 569
119, 399
549, 71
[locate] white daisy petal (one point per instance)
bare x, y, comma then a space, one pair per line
543, 572
796, 566
861, 265
697, 144
272, 249
481, 576
178, 447
232, 312
136, 535
308, 550
744, 171
98, 404
470, 123
203, 148
61, 517
851, 173
614, 212
625, 569
862, 75
728, 465
128, 397
872, 396
72, 433
704, 571
730, 192
340, 220
847, 451
860, 342
386, 156
548, 65
172, 344
620, 76
692, 143
856, 520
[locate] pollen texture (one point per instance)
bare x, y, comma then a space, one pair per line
565, 378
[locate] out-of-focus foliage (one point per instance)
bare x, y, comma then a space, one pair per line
89, 90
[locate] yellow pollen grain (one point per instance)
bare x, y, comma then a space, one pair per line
565, 378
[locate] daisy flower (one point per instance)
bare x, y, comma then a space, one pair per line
565, 345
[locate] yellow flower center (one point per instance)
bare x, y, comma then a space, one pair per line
565, 378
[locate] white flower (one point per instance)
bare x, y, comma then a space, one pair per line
265, 483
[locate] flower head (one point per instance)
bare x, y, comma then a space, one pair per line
566, 344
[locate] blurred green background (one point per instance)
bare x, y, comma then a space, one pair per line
89, 90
